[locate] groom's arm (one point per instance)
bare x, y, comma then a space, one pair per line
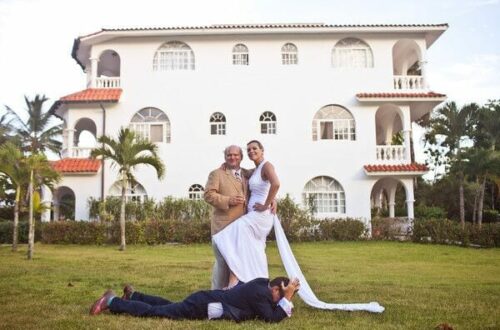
212, 193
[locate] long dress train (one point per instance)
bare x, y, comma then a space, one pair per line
243, 242
293, 270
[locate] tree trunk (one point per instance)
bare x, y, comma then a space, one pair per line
31, 235
481, 203
15, 229
461, 197
122, 217
474, 210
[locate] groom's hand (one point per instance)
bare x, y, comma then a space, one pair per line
292, 287
236, 200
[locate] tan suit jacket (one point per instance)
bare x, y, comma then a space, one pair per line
222, 185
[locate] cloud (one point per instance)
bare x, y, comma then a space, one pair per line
473, 80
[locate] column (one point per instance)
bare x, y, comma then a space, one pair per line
392, 201
46, 198
423, 70
407, 144
71, 141
93, 72
410, 199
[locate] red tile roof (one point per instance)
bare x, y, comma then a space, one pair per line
414, 167
93, 95
76, 165
400, 95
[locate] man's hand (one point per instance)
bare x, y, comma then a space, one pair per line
292, 287
236, 200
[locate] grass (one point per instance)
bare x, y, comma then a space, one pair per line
421, 286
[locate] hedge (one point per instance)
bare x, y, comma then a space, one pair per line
444, 231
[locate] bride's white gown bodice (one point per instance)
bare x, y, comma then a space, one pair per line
258, 188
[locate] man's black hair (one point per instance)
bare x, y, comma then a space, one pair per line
277, 282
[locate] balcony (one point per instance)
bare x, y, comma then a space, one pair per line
409, 83
76, 152
107, 82
391, 154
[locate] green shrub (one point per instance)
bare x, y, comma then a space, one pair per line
444, 231
149, 209
297, 223
341, 229
429, 212
74, 232
6, 228
491, 216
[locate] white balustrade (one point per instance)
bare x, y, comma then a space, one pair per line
76, 152
108, 82
391, 154
409, 82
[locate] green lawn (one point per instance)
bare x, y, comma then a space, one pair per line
421, 286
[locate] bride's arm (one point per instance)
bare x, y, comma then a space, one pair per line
269, 174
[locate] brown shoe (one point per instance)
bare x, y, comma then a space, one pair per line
101, 304
127, 292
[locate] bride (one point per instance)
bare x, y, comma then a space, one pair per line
243, 242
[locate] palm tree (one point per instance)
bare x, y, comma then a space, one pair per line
40, 173
35, 133
453, 126
13, 165
485, 159
126, 153
5, 128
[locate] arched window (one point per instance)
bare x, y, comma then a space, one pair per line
352, 53
268, 123
333, 122
217, 124
324, 194
196, 192
240, 55
289, 54
173, 55
135, 191
151, 124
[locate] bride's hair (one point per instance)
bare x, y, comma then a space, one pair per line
258, 143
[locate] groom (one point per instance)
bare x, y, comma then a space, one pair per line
226, 190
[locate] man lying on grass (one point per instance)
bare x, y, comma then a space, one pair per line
260, 298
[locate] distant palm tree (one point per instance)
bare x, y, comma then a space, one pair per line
454, 126
13, 165
36, 133
24, 171
40, 173
5, 128
126, 153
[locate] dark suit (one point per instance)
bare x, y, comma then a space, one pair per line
244, 302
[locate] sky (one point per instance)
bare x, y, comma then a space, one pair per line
36, 36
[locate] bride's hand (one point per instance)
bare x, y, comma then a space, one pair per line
259, 207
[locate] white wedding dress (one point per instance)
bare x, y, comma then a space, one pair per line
243, 242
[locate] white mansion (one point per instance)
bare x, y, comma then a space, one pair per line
328, 102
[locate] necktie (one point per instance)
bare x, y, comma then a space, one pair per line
237, 175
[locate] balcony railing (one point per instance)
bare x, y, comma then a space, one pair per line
108, 82
409, 82
76, 152
391, 154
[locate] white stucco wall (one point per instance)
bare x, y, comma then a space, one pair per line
294, 93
